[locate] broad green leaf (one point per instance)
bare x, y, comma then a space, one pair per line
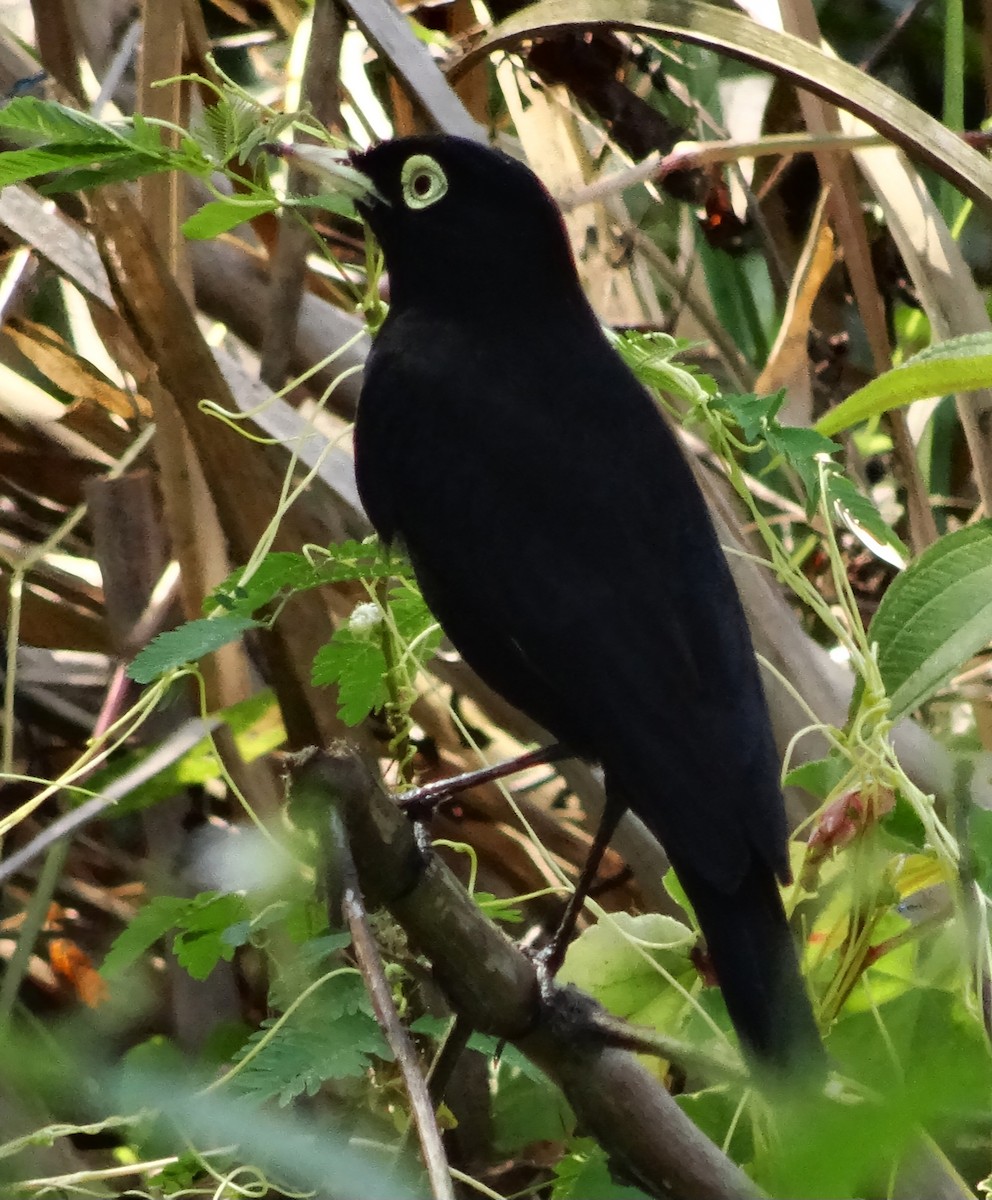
935, 616
819, 777
188, 643
604, 962
218, 216
959, 365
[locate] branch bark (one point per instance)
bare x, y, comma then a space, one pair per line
490, 983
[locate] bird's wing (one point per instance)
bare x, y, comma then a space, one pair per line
565, 548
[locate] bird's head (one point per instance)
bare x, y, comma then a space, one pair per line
458, 220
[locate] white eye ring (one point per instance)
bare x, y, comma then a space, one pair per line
424, 183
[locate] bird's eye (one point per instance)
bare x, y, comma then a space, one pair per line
424, 183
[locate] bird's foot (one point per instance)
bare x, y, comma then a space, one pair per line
547, 963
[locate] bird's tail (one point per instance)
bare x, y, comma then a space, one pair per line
754, 958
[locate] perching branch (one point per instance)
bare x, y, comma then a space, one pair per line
489, 982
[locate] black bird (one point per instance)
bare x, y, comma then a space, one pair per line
558, 535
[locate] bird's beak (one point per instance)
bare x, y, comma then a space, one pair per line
332, 168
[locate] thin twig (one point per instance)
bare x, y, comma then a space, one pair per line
370, 963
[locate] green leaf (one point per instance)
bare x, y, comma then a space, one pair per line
904, 825
54, 122
499, 908
218, 216
415, 623
120, 168
800, 448
935, 616
224, 126
356, 663
583, 1173
257, 729
651, 357
527, 1108
936, 1065
959, 365
863, 519
980, 844
752, 413
716, 1112
284, 572
623, 976
820, 777
17, 165
332, 202
203, 938
188, 643
332, 1035
146, 927
354, 658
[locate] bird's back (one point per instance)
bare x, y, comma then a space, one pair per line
563, 543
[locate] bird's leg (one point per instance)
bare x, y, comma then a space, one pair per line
551, 957
420, 802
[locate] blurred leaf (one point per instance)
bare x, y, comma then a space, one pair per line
188, 643
55, 122
497, 909
904, 824
218, 216
715, 1111
18, 165
624, 976
583, 1173
527, 1108
303, 1154
819, 777
257, 729
332, 1035
118, 168
202, 940
942, 1067
980, 843
934, 616
144, 929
